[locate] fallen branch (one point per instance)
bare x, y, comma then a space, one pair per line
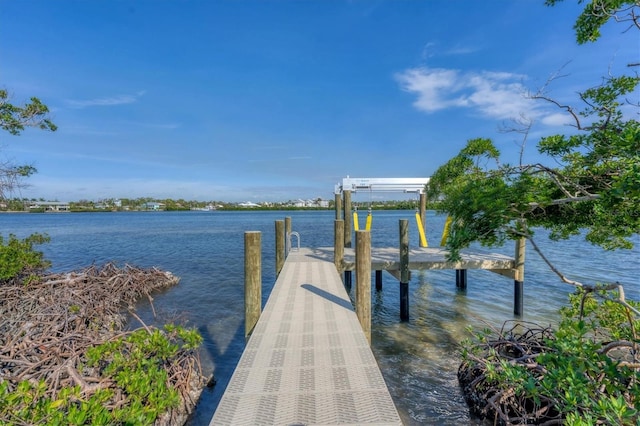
46, 327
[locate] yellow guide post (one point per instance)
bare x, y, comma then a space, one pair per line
356, 225
445, 231
423, 238
369, 218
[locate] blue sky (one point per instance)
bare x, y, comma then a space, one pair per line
278, 100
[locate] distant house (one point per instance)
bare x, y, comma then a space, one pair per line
50, 206
152, 205
322, 203
316, 202
249, 204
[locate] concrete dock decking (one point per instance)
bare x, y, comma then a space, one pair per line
307, 361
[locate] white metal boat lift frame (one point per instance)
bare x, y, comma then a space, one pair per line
416, 185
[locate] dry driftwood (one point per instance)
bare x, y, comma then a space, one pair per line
47, 324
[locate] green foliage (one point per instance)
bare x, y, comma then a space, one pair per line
137, 364
14, 118
597, 13
588, 370
28, 404
594, 187
594, 184
18, 257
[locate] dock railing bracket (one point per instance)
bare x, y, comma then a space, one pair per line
289, 245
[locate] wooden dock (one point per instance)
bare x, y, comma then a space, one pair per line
424, 258
307, 361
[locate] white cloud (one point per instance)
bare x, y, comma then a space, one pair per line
433, 87
558, 119
107, 101
498, 95
432, 49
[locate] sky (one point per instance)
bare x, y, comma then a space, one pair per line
280, 100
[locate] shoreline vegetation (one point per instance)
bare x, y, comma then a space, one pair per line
69, 356
585, 371
148, 204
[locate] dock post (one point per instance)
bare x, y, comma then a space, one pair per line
363, 281
287, 233
338, 206
347, 219
280, 246
252, 280
378, 280
461, 279
518, 283
348, 280
287, 224
338, 244
423, 215
404, 270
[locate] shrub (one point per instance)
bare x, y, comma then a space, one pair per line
585, 372
18, 257
133, 388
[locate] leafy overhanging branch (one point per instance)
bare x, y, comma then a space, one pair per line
14, 119
595, 187
588, 370
598, 12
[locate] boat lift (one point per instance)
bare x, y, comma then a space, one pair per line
406, 185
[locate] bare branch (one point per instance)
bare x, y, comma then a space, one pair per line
567, 200
551, 266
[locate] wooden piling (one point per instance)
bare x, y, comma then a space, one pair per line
404, 270
461, 279
378, 280
338, 206
363, 281
518, 283
287, 224
338, 244
252, 279
287, 234
423, 217
280, 246
348, 226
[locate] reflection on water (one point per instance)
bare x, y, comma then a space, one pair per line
418, 358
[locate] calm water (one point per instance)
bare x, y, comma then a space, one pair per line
418, 358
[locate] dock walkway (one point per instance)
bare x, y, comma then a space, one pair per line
307, 361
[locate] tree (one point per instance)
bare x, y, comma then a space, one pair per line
14, 119
596, 187
598, 12
588, 370
594, 184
